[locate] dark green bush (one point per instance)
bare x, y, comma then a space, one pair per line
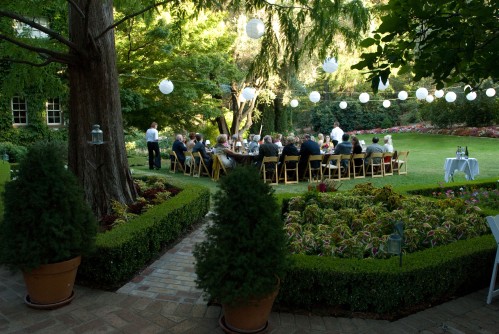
123, 251
15, 152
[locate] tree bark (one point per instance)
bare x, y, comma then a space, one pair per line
94, 99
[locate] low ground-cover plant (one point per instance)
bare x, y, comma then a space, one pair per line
482, 197
152, 190
357, 224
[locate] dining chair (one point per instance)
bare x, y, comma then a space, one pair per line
400, 162
332, 167
314, 168
375, 165
357, 165
494, 227
387, 163
202, 169
189, 164
217, 168
175, 164
286, 168
345, 166
269, 165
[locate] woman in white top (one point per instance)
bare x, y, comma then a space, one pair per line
222, 150
388, 144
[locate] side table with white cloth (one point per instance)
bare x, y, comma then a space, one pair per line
468, 166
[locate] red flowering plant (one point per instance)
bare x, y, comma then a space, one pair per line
490, 131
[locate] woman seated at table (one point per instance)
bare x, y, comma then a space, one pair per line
388, 146
357, 149
327, 145
289, 149
224, 153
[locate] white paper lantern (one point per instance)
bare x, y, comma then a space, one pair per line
490, 92
421, 93
293, 103
249, 93
330, 65
166, 86
364, 98
402, 95
343, 105
314, 96
255, 28
242, 99
387, 103
439, 93
429, 98
450, 97
471, 96
382, 86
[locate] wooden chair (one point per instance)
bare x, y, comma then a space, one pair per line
375, 165
332, 167
400, 162
269, 165
190, 164
285, 169
387, 163
202, 169
494, 227
175, 164
345, 172
358, 171
314, 173
217, 168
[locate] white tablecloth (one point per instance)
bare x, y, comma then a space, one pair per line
468, 166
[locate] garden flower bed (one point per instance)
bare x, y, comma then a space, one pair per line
357, 224
490, 131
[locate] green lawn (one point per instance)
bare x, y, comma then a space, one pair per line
426, 162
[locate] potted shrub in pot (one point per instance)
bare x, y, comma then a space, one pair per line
46, 223
244, 255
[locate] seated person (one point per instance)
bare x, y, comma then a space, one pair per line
267, 149
288, 150
253, 145
345, 147
327, 145
179, 148
277, 140
357, 149
388, 146
374, 148
191, 142
224, 153
308, 148
199, 147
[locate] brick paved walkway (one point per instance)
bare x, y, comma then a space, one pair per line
163, 299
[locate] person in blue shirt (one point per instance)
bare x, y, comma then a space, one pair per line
345, 147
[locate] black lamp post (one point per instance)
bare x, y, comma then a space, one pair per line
396, 240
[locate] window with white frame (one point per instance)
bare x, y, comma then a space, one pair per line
25, 30
53, 111
19, 110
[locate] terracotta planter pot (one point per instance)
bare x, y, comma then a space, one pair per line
52, 283
251, 316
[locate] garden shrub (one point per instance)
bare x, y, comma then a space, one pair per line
15, 152
124, 250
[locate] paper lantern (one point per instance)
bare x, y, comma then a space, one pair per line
314, 96
330, 65
249, 93
490, 92
421, 93
166, 86
450, 97
471, 96
364, 98
429, 98
439, 93
242, 99
387, 103
343, 105
293, 103
382, 86
255, 28
402, 95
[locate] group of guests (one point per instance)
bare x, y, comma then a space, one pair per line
230, 150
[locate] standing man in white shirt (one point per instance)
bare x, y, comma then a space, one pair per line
336, 134
152, 139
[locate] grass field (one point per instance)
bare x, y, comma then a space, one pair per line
425, 164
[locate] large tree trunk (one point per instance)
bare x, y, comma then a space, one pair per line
94, 99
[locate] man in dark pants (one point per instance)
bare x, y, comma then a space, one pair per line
308, 148
179, 148
153, 146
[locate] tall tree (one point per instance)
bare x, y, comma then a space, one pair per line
449, 41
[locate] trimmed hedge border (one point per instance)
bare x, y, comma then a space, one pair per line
123, 251
381, 286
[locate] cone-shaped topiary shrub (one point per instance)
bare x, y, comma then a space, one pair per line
46, 218
245, 247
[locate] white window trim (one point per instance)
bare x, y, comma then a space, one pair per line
25, 29
12, 110
59, 110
